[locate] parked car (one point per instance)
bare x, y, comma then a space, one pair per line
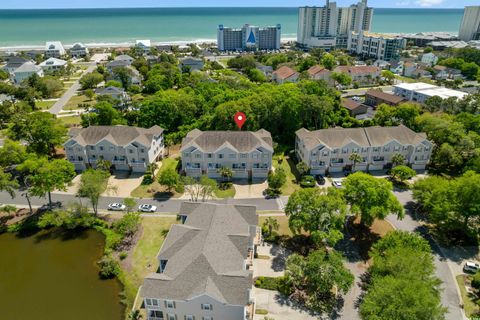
471, 267
337, 183
320, 179
116, 207
46, 207
147, 208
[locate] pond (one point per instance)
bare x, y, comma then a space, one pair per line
54, 276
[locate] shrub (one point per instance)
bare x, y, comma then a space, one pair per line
272, 192
123, 255
307, 182
147, 179
109, 267
476, 280
268, 283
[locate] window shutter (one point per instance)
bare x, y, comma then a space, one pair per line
174, 305
165, 303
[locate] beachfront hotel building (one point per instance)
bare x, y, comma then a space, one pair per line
329, 26
205, 265
329, 150
248, 38
247, 153
470, 27
375, 45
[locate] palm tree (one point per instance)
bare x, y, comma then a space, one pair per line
398, 159
271, 224
151, 168
226, 173
134, 315
355, 158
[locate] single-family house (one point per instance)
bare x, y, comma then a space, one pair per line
79, 50
14, 62
115, 93
320, 73
247, 153
25, 71
430, 59
444, 73
190, 64
361, 74
329, 150
409, 68
421, 72
111, 65
144, 46
285, 74
396, 67
205, 265
375, 98
355, 108
53, 64
54, 49
127, 148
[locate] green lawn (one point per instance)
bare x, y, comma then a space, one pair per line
288, 166
70, 121
44, 104
155, 189
76, 100
223, 194
283, 228
468, 303
142, 258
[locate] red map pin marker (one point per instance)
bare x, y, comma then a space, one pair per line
240, 119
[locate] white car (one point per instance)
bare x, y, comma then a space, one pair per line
337, 183
471, 267
147, 208
116, 207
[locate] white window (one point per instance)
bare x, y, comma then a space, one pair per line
142, 150
206, 306
171, 317
210, 156
243, 155
207, 318
232, 155
169, 304
189, 317
220, 156
198, 155
148, 302
155, 302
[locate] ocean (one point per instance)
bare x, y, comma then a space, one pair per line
28, 28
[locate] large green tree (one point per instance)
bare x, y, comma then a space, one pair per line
92, 184
8, 183
321, 214
371, 198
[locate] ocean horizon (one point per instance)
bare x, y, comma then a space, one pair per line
28, 28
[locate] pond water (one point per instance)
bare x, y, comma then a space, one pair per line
54, 276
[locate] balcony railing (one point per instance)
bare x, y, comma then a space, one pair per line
420, 162
337, 164
119, 162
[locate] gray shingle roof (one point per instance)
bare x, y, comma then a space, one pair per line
242, 141
28, 67
371, 136
206, 255
118, 135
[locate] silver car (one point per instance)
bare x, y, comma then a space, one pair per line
147, 208
116, 207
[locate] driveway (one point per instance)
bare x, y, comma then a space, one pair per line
121, 184
73, 188
248, 191
274, 266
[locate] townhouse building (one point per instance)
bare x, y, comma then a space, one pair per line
285, 74
205, 265
320, 73
374, 98
248, 154
79, 50
361, 74
127, 148
329, 150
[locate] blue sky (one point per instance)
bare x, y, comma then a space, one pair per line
26, 4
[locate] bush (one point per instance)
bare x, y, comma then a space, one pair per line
147, 179
476, 280
270, 192
307, 182
128, 224
109, 267
267, 283
123, 255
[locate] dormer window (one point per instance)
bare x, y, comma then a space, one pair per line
163, 264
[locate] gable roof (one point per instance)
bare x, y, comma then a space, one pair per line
350, 104
242, 141
206, 255
357, 69
317, 70
117, 135
370, 136
78, 46
28, 67
109, 90
143, 43
284, 72
54, 45
118, 63
53, 62
123, 57
384, 96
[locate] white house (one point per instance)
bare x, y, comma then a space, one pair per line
205, 265
248, 154
127, 148
25, 71
53, 64
14, 62
430, 59
419, 92
79, 50
144, 46
113, 92
54, 49
329, 150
